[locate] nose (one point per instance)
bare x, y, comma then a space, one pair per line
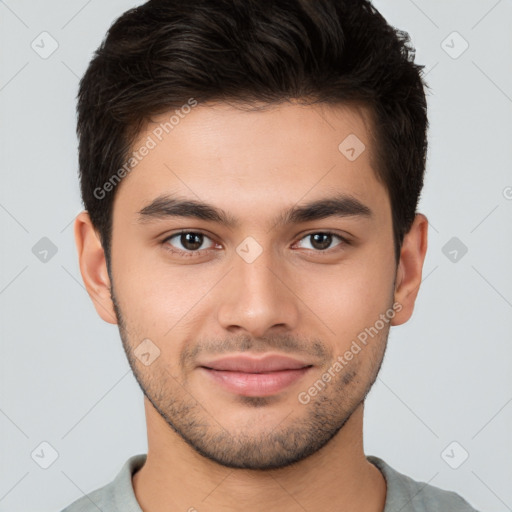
258, 296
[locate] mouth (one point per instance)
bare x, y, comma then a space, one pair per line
257, 377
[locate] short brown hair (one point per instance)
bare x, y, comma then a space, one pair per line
157, 56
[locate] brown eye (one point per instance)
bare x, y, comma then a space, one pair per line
186, 242
322, 240
191, 241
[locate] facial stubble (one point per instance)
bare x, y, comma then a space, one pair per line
300, 430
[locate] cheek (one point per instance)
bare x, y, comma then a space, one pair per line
350, 297
161, 300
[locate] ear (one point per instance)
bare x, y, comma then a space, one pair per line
93, 267
412, 256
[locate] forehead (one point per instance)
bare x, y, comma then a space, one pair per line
221, 154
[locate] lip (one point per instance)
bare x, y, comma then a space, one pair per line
250, 364
250, 376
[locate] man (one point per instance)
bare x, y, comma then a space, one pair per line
250, 173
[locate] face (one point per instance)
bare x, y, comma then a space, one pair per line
255, 339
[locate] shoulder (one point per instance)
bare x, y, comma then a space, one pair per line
408, 495
100, 499
115, 496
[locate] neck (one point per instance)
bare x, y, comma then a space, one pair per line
338, 477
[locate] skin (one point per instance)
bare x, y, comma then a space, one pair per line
292, 299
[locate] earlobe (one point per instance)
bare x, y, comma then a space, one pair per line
93, 267
408, 280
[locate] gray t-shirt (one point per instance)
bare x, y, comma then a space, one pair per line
403, 493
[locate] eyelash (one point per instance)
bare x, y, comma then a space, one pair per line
188, 254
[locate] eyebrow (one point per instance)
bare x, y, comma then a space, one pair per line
168, 206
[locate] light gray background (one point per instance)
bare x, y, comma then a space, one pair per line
447, 373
